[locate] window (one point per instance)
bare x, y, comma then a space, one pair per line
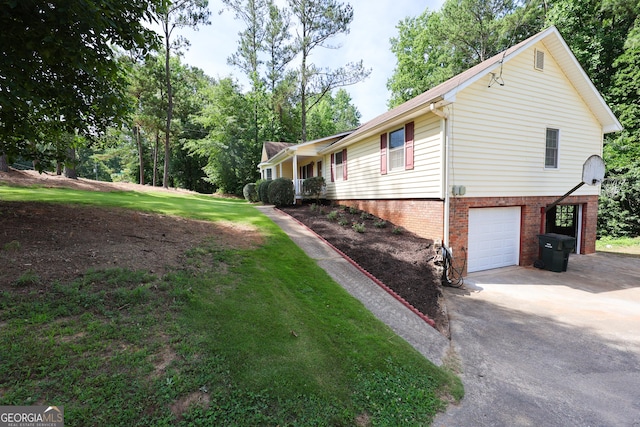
551, 151
339, 165
565, 216
396, 149
306, 171
269, 174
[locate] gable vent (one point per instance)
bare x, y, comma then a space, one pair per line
539, 60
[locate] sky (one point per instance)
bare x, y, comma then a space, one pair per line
374, 23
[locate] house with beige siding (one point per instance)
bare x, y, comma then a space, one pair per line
475, 161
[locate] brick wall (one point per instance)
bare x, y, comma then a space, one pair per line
425, 218
420, 216
532, 222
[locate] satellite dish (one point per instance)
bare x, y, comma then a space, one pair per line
593, 170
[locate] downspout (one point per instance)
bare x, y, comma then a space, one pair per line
445, 168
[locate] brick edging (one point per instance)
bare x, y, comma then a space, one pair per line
390, 291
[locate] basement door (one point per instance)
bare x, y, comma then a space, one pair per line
494, 238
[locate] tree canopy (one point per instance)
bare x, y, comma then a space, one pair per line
437, 45
59, 71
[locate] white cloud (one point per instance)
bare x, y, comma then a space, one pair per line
373, 25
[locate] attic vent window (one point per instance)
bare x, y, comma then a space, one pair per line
539, 60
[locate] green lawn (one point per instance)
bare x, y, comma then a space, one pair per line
621, 245
260, 336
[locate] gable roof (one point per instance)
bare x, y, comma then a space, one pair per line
286, 149
446, 92
272, 148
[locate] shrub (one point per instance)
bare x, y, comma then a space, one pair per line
353, 210
358, 227
365, 216
313, 187
380, 224
343, 222
250, 192
281, 192
263, 191
397, 230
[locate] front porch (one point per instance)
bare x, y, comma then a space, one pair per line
302, 192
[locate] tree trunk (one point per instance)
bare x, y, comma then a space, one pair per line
167, 152
303, 94
58, 168
136, 129
70, 164
155, 158
4, 163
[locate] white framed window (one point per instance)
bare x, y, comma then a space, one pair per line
552, 146
339, 166
396, 149
269, 174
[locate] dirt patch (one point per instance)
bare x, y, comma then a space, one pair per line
199, 398
47, 241
51, 180
401, 260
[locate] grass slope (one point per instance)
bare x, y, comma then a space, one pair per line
256, 336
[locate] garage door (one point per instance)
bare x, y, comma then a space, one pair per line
494, 238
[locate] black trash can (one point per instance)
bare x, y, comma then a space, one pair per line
555, 250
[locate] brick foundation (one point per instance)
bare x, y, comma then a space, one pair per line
425, 218
420, 216
532, 222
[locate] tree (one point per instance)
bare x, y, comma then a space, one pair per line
333, 115
280, 52
596, 31
59, 72
319, 21
231, 155
604, 36
177, 14
435, 46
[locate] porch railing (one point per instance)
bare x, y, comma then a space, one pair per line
298, 185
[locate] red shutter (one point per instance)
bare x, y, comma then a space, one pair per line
333, 168
344, 164
408, 143
383, 154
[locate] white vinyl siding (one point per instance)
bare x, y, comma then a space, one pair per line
366, 182
498, 133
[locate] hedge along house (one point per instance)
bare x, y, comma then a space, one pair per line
475, 161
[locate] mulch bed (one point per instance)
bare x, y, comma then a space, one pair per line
402, 261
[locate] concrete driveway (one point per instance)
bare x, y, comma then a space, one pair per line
539, 348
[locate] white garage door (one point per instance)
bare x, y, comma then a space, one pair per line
494, 238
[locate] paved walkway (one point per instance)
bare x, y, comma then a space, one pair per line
423, 337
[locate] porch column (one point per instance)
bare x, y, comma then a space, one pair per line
296, 186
